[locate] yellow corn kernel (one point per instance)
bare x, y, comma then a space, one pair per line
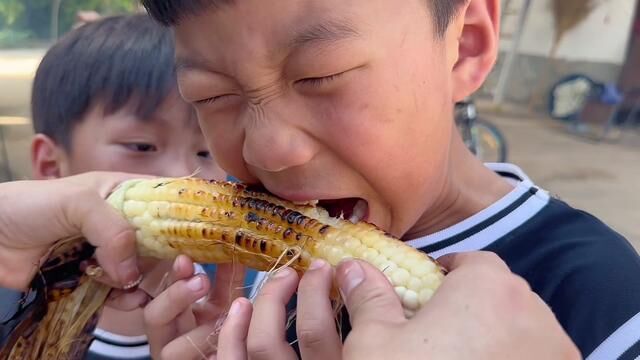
220, 222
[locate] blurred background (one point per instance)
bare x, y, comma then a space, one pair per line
563, 101
27, 29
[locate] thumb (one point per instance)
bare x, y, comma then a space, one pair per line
368, 294
103, 226
114, 239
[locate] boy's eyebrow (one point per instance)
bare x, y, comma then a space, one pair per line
329, 31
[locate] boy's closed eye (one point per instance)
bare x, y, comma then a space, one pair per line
314, 82
320, 80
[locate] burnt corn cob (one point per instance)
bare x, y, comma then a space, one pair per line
220, 222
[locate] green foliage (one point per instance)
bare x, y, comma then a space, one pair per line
13, 39
10, 11
24, 21
69, 9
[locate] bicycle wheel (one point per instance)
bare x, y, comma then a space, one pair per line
491, 146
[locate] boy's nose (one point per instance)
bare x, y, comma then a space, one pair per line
273, 144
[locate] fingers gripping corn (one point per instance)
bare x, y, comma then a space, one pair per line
212, 222
218, 222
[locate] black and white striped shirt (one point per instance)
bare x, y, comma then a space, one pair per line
109, 346
588, 274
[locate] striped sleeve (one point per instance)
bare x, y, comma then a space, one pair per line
109, 346
588, 275
623, 344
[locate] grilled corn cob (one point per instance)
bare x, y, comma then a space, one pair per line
212, 222
219, 222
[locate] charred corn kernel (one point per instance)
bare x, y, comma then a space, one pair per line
219, 222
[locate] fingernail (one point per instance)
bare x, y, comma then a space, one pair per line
283, 273
317, 264
235, 308
195, 284
353, 276
128, 271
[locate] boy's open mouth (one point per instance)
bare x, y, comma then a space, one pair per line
352, 209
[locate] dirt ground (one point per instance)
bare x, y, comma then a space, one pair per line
601, 178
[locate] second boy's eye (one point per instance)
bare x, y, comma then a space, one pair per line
141, 147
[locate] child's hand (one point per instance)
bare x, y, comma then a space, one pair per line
258, 331
481, 311
179, 328
154, 280
36, 214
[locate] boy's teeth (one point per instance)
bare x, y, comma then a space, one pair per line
359, 211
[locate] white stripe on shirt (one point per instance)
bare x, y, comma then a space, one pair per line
520, 188
119, 352
502, 227
128, 347
120, 339
620, 341
472, 221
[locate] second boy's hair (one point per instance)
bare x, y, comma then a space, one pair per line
114, 62
170, 12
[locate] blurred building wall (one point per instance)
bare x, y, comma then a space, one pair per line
601, 38
596, 47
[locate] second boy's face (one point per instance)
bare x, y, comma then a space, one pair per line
169, 143
348, 102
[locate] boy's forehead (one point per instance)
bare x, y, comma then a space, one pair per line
317, 32
215, 37
173, 110
176, 111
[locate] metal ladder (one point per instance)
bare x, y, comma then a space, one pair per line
517, 10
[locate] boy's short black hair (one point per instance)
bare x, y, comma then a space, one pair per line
170, 12
115, 62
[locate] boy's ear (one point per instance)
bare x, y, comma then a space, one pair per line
475, 32
47, 158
